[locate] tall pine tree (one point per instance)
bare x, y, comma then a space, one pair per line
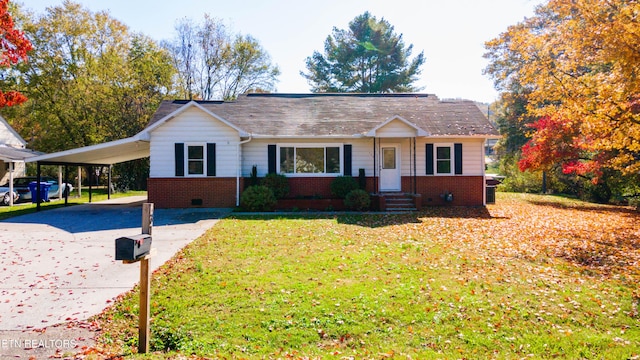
368, 57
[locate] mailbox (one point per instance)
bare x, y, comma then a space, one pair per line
133, 247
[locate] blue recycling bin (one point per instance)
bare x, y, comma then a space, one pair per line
44, 191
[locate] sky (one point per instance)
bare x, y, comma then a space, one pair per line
451, 33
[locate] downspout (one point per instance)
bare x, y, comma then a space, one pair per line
375, 167
239, 169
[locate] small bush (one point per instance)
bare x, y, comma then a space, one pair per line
258, 198
278, 183
342, 185
357, 200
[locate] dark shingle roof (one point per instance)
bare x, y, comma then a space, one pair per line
341, 114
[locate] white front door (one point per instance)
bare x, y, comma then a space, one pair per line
390, 168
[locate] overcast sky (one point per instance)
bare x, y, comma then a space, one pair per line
451, 33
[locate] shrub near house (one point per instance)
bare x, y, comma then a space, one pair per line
258, 198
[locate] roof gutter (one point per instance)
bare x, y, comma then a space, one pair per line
360, 136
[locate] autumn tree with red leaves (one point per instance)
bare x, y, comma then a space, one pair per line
15, 47
558, 142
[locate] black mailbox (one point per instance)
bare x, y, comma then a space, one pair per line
133, 247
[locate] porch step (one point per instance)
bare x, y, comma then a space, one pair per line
399, 202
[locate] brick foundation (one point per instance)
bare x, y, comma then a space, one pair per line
466, 190
221, 192
210, 192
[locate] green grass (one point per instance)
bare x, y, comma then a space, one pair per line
443, 283
22, 208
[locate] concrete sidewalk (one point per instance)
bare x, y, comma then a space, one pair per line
58, 265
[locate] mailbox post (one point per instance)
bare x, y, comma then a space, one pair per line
145, 282
134, 249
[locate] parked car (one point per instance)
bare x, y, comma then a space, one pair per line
5, 197
21, 186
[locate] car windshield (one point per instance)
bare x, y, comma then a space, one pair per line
21, 182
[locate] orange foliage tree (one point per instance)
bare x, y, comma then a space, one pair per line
14, 48
579, 61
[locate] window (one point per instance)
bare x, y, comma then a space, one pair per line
389, 158
195, 159
308, 159
443, 159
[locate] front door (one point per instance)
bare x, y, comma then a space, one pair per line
390, 168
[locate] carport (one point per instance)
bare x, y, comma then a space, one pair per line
12, 155
103, 155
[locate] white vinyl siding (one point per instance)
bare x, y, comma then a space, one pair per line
193, 126
473, 157
396, 129
255, 153
8, 136
472, 154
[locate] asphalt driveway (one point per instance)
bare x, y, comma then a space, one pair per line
58, 265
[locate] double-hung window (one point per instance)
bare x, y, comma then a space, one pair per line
444, 159
196, 159
309, 159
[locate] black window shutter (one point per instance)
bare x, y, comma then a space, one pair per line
429, 159
348, 149
179, 159
211, 159
271, 153
457, 154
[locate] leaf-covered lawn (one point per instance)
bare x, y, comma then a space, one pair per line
532, 276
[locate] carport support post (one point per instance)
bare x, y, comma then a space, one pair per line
145, 281
38, 195
109, 184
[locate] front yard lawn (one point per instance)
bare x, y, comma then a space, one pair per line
533, 276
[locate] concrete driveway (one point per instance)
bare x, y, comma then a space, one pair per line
58, 265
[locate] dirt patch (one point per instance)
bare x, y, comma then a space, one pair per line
59, 341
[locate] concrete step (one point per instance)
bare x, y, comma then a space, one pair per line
399, 202
391, 209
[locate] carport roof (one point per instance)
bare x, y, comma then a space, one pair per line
13, 154
108, 153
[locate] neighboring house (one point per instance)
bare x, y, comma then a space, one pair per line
202, 151
13, 152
